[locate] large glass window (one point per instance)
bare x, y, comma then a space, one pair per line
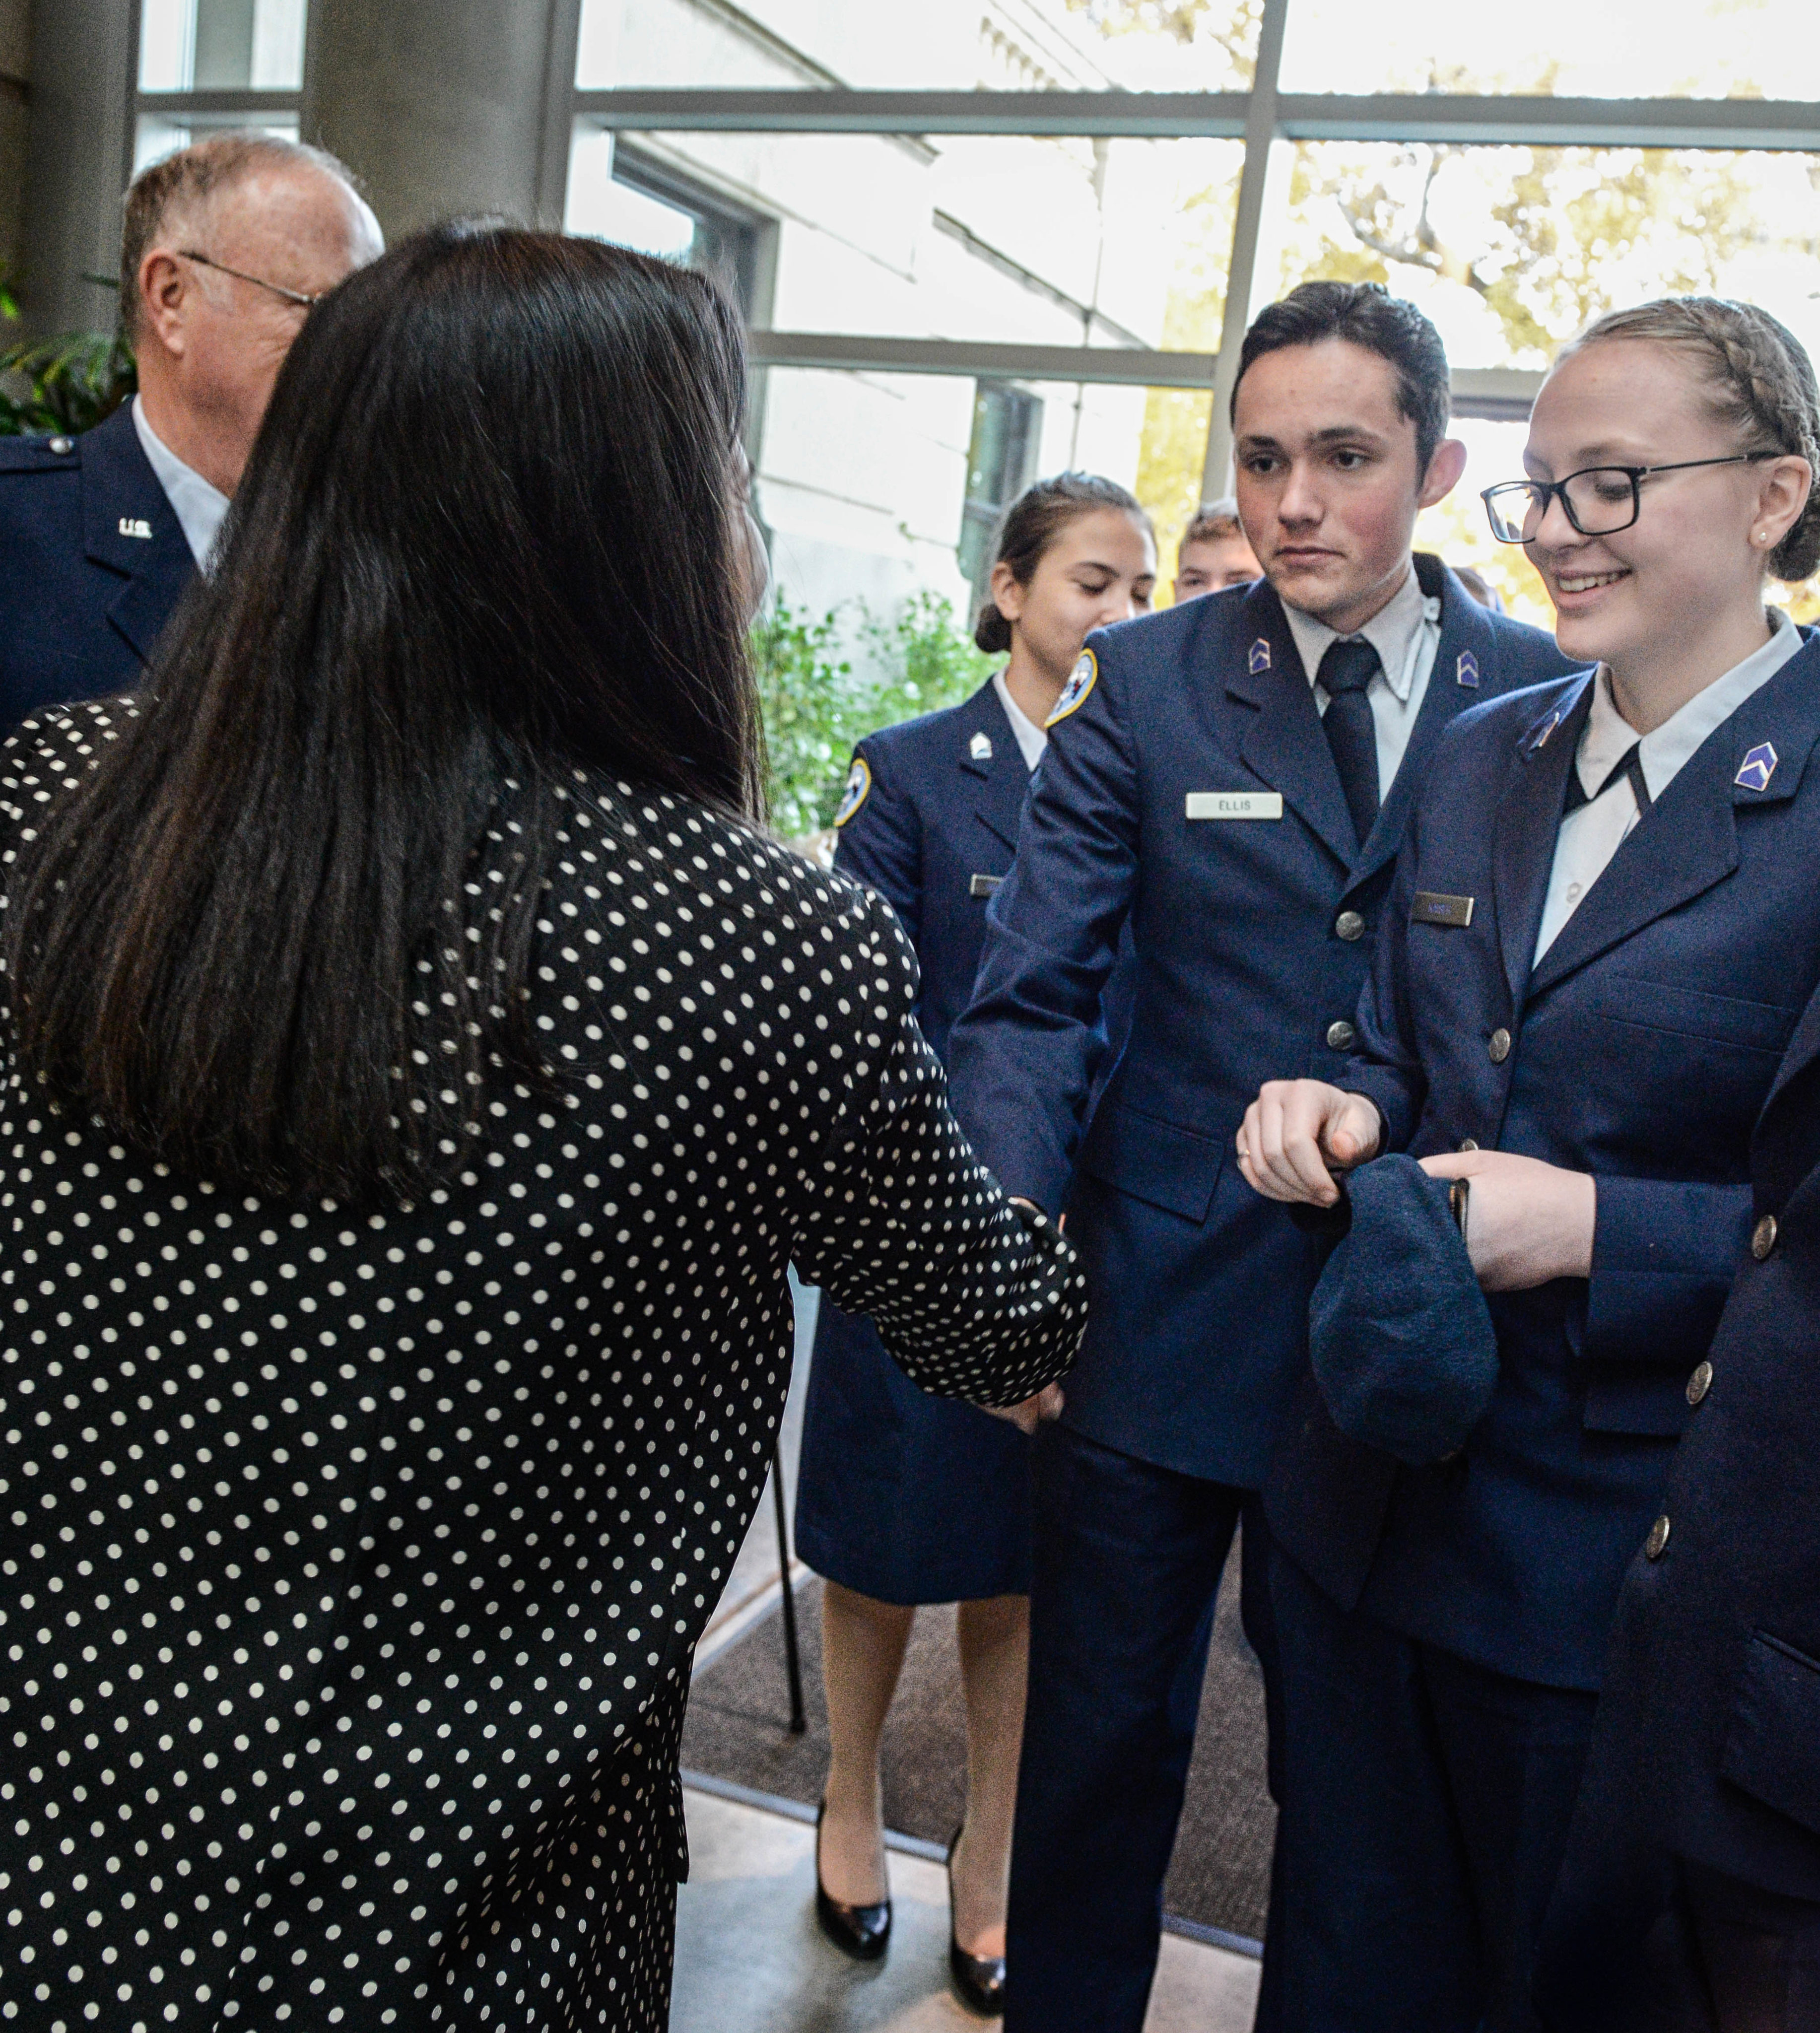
1650, 49
204, 45
1512, 250
1001, 457
617, 193
1027, 46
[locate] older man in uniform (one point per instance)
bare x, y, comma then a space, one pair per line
226, 246
1227, 782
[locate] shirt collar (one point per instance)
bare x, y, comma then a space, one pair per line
1032, 740
197, 504
1391, 632
1608, 737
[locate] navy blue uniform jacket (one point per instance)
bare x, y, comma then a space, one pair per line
1641, 1051
1708, 1742
1250, 938
82, 598
901, 1496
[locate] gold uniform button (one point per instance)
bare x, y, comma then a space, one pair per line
1340, 1036
1763, 1237
1700, 1383
1499, 1045
1657, 1542
1350, 925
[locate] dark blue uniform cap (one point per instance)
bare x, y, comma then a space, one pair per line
1401, 1343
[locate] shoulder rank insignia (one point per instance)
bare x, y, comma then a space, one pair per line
1758, 767
1539, 739
859, 783
1259, 660
1466, 670
135, 525
981, 748
1081, 682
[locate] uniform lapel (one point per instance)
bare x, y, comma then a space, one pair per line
1688, 839
120, 491
999, 783
1283, 743
1529, 818
1464, 659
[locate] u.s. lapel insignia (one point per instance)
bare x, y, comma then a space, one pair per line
135, 525
981, 748
859, 783
1757, 768
1466, 670
1260, 657
1081, 682
1547, 727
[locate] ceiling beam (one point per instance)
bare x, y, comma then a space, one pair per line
1500, 392
1490, 119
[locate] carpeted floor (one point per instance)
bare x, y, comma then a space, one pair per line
737, 1730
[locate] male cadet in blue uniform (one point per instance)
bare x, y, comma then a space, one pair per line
1229, 781
225, 246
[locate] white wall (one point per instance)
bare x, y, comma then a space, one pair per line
861, 478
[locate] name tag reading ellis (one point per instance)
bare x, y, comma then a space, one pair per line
983, 885
1430, 907
1235, 804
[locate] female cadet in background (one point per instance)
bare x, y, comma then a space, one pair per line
417, 1072
905, 1498
1603, 928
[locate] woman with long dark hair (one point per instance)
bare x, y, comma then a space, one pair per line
419, 1072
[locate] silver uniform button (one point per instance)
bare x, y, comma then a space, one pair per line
1469, 1143
1499, 1045
1763, 1237
1700, 1383
1350, 925
1340, 1036
1657, 1542
61, 445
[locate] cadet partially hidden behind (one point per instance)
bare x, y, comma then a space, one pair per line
226, 246
1215, 553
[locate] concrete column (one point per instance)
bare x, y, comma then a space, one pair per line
79, 153
446, 107
15, 92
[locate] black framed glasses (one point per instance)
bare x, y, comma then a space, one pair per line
308, 299
1598, 501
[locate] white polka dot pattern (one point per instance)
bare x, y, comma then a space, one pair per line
350, 1565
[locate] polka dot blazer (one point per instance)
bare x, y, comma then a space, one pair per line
350, 1565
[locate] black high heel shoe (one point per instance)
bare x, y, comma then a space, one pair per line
979, 1979
862, 1932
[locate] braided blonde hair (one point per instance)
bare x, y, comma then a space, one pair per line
1757, 380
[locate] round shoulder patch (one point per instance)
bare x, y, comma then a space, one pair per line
859, 783
1081, 682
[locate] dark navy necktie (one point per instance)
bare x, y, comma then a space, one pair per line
1630, 764
1345, 671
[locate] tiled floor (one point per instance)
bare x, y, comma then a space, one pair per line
749, 1959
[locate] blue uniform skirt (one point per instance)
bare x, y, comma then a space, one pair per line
901, 1496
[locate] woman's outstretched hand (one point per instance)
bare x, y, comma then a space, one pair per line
1298, 1134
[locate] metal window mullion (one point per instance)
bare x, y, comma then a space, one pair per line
1260, 132
1488, 119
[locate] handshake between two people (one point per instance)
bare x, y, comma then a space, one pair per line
1531, 1222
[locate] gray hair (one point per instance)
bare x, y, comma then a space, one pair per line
189, 178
